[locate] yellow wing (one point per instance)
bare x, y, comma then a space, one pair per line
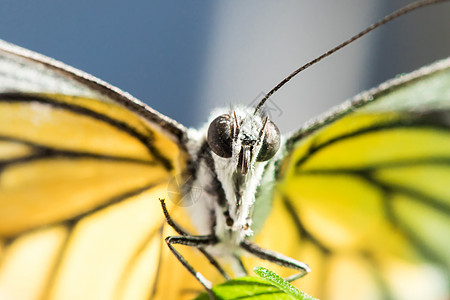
363, 195
82, 167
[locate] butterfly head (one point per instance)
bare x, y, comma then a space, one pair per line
244, 138
241, 142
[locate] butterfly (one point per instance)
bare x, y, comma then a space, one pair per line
358, 194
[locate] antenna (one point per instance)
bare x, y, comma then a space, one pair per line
402, 11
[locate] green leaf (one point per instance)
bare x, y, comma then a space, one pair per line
282, 284
269, 286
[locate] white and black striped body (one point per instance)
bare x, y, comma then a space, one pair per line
226, 202
232, 165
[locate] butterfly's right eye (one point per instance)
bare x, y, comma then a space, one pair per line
220, 136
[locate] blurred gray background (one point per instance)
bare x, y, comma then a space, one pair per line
184, 58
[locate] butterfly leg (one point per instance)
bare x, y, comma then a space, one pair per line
183, 233
239, 266
193, 241
215, 263
170, 221
277, 258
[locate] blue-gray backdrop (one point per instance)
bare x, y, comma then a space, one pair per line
185, 57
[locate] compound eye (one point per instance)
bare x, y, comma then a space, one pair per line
271, 142
220, 136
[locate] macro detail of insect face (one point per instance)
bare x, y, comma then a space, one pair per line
251, 139
241, 143
354, 204
230, 158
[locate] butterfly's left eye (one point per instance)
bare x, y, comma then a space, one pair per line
219, 136
271, 142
